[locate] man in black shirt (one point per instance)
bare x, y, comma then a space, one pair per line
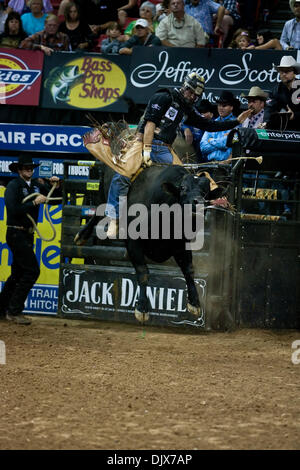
19, 236
283, 108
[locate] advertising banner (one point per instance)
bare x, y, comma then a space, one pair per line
85, 81
47, 167
39, 138
43, 297
110, 294
230, 69
20, 76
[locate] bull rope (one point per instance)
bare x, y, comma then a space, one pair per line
48, 198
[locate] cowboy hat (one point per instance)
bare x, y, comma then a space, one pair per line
227, 97
292, 3
287, 62
205, 106
23, 161
256, 92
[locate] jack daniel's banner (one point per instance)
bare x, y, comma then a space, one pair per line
111, 294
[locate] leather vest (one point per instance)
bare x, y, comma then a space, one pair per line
166, 131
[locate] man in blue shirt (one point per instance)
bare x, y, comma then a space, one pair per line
213, 144
203, 11
290, 36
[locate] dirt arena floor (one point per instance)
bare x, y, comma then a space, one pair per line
88, 385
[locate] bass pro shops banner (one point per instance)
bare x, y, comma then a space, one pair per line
109, 82
85, 81
20, 76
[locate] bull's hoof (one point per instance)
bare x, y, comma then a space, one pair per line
142, 317
196, 311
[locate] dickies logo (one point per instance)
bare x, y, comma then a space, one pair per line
15, 75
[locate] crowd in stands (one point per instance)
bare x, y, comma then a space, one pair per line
239, 24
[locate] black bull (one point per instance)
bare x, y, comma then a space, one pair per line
159, 185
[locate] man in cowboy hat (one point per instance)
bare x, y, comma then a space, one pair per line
256, 102
290, 36
213, 144
19, 236
283, 108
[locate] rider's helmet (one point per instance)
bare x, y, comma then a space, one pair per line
194, 82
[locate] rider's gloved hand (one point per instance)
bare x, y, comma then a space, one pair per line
146, 154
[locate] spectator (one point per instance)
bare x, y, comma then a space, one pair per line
48, 40
231, 19
13, 31
265, 40
283, 108
96, 13
142, 37
22, 6
179, 29
290, 36
193, 135
114, 40
243, 41
147, 12
79, 33
131, 8
213, 144
3, 16
102, 13
236, 36
256, 102
203, 11
123, 19
34, 21
160, 12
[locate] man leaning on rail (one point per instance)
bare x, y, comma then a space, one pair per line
19, 235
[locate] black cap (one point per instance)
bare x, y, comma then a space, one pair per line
227, 97
205, 106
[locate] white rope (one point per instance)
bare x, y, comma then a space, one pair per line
48, 198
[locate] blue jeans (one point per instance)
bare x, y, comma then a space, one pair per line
120, 184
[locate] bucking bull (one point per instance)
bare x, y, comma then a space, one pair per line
153, 187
